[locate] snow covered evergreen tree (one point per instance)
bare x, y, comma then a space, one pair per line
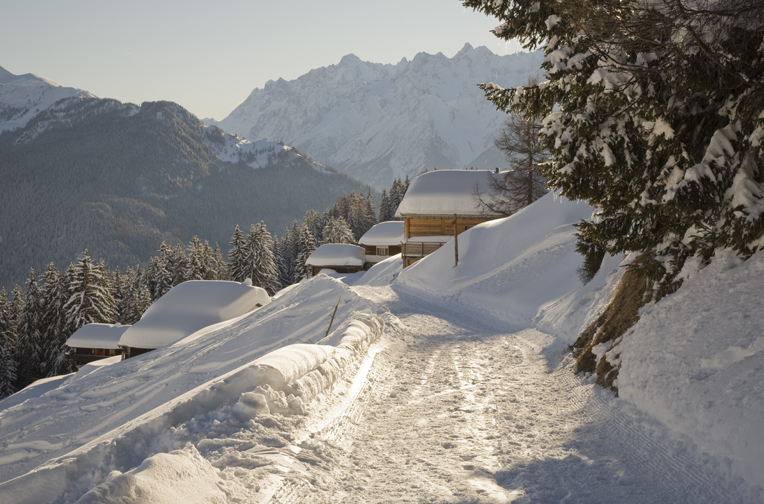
236, 257
652, 112
159, 278
260, 264
385, 214
177, 265
287, 255
54, 335
337, 230
196, 264
29, 351
307, 247
90, 299
218, 267
315, 224
8, 376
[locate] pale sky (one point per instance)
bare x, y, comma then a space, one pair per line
208, 56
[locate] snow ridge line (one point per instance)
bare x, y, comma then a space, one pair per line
284, 385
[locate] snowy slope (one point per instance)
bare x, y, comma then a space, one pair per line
695, 361
377, 122
24, 96
117, 397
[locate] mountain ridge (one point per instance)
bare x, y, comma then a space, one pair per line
118, 179
379, 121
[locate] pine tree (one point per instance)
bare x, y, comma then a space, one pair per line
196, 267
29, 351
159, 278
315, 224
54, 324
177, 265
307, 247
370, 216
236, 257
90, 299
384, 208
652, 113
338, 231
8, 376
218, 265
260, 264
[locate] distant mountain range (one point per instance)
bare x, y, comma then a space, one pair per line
78, 171
378, 122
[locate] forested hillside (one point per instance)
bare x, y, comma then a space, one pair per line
119, 179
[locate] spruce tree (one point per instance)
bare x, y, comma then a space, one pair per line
158, 276
315, 224
195, 264
90, 299
260, 264
29, 351
8, 376
178, 265
338, 231
218, 265
54, 324
652, 113
306, 247
384, 208
236, 257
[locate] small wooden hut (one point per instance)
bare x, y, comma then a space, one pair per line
382, 241
188, 308
340, 257
438, 201
93, 342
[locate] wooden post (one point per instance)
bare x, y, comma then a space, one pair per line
456, 245
333, 314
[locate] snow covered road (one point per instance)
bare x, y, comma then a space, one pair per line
467, 413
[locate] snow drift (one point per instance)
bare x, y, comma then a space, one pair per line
189, 307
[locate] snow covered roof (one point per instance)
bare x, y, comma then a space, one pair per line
384, 233
337, 254
191, 306
446, 192
97, 336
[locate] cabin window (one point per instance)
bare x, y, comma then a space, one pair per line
383, 251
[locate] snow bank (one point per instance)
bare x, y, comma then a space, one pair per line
178, 477
512, 268
189, 307
97, 336
337, 254
383, 234
695, 361
445, 192
382, 273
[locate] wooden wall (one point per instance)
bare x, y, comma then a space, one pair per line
435, 226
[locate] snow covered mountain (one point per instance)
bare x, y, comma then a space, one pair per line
378, 122
119, 179
24, 96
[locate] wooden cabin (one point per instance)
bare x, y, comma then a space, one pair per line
438, 201
93, 342
189, 308
382, 241
340, 257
